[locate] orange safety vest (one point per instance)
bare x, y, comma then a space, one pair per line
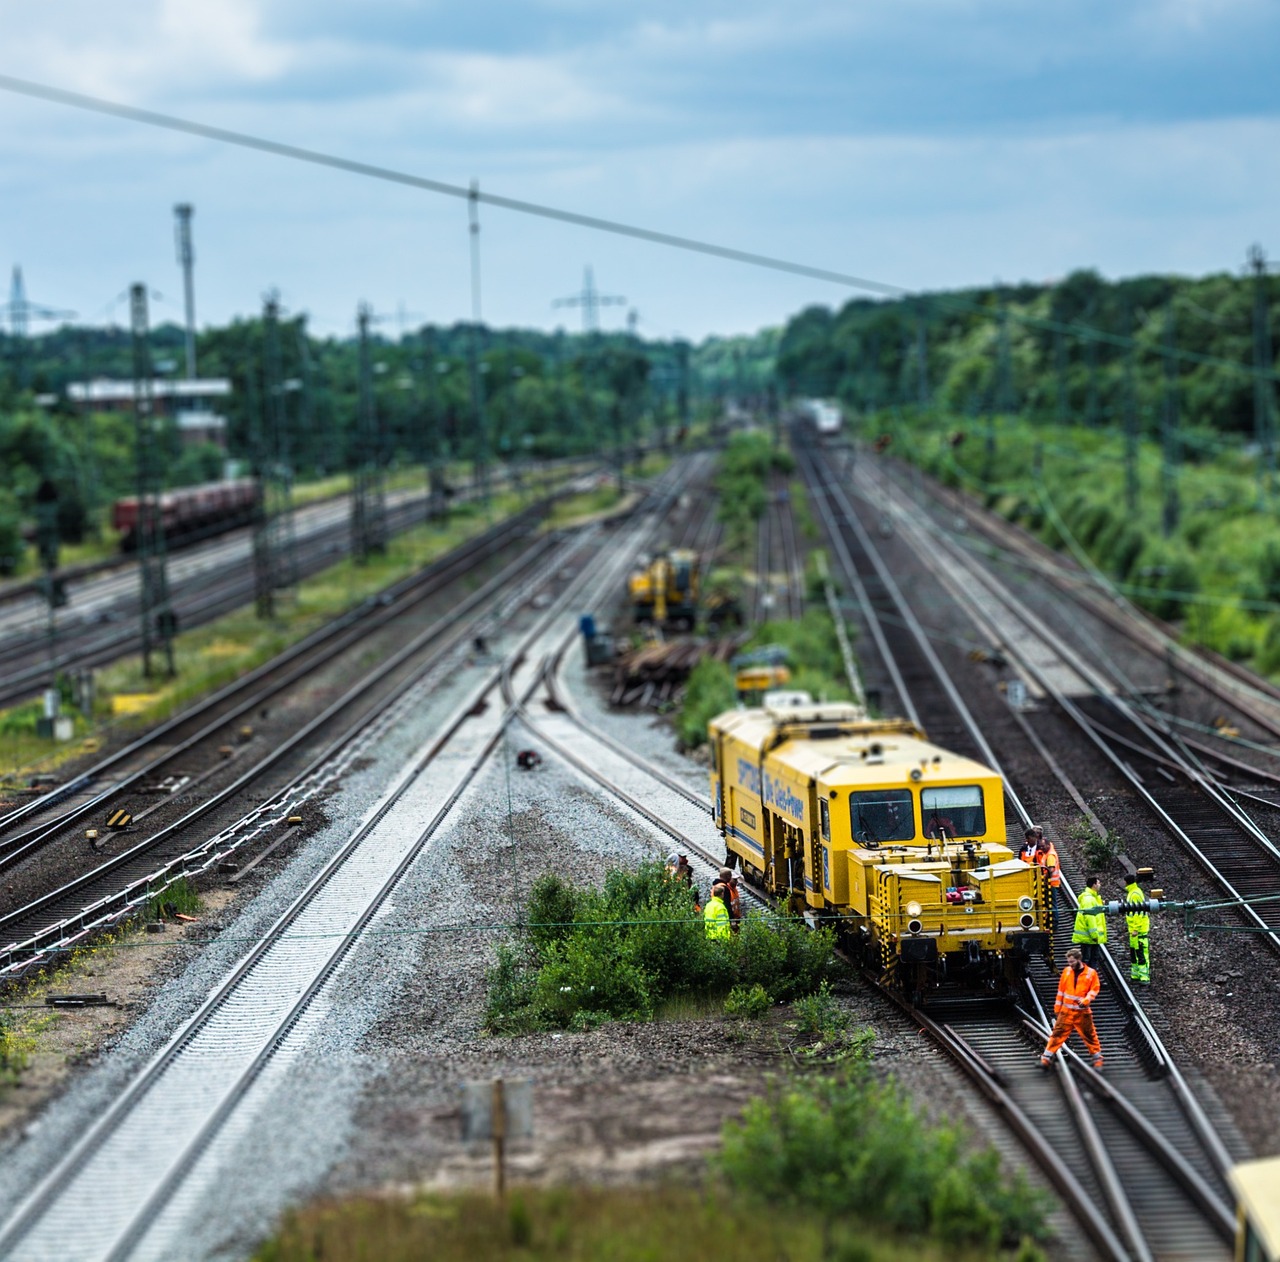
1076, 991
1050, 860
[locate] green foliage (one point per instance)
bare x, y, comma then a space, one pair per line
742, 484
708, 692
819, 1015
13, 546
633, 947
13, 1054
682, 1220
178, 899
882, 1162
1099, 851
748, 1002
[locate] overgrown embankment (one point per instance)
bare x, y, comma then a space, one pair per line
816, 668
742, 487
1195, 546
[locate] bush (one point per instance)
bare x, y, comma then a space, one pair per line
709, 692
633, 946
820, 1016
748, 1002
881, 1162
552, 907
510, 1006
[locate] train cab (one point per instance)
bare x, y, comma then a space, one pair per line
897, 843
1257, 1188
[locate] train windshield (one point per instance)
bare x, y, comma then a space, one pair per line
955, 811
880, 815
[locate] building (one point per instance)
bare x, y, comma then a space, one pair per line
190, 404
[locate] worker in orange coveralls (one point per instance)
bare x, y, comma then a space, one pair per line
1077, 989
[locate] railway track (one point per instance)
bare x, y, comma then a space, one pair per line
1155, 1207
316, 757
207, 582
95, 790
123, 1186
1198, 811
778, 563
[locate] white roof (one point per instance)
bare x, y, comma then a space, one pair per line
105, 390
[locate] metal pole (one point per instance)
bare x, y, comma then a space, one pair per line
157, 617
477, 384
187, 257
368, 505
1263, 396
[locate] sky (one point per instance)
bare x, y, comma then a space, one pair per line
925, 144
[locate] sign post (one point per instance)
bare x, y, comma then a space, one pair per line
498, 1111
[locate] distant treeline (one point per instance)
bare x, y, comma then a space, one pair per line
1058, 352
543, 395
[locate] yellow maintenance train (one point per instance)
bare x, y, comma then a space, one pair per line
898, 844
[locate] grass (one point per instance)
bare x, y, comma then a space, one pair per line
210, 656
581, 1224
574, 508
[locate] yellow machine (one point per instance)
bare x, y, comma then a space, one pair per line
760, 671
1257, 1188
898, 844
665, 591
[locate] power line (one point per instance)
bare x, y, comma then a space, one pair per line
171, 122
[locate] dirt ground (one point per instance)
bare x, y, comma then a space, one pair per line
58, 1041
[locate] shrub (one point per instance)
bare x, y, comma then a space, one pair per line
633, 946
584, 973
552, 906
881, 1162
510, 1006
709, 692
748, 1002
820, 1016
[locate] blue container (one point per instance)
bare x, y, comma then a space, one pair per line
587, 625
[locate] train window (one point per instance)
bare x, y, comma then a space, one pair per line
824, 818
879, 815
956, 811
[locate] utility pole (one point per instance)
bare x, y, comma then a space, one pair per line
187, 257
368, 499
477, 382
1263, 366
1169, 428
21, 312
437, 502
274, 557
682, 386
157, 617
1130, 416
590, 299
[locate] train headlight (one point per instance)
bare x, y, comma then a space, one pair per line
1025, 903
914, 908
914, 926
1027, 921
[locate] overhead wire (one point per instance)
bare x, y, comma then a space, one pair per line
473, 194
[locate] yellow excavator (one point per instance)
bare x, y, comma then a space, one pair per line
664, 590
